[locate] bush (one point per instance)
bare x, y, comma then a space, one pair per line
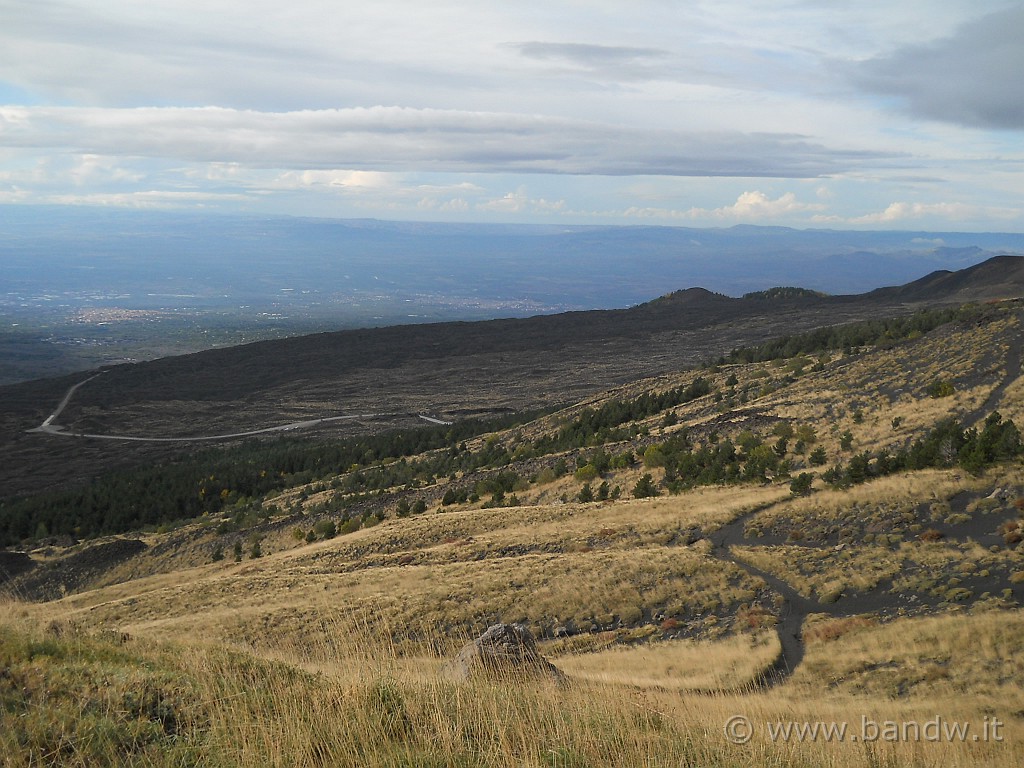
805, 434
645, 488
325, 529
801, 484
654, 457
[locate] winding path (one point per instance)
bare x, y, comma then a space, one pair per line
1014, 365
795, 608
51, 427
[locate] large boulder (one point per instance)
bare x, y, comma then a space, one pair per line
503, 651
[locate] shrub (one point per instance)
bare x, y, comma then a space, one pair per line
545, 476
801, 484
325, 529
1011, 532
783, 430
805, 433
645, 488
846, 440
654, 457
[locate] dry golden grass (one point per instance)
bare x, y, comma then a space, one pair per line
684, 665
825, 574
598, 566
356, 702
880, 500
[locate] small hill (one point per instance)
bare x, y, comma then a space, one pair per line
785, 293
1001, 277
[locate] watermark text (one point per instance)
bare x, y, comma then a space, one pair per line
740, 729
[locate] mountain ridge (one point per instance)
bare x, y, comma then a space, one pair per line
450, 371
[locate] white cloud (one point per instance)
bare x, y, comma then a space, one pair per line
749, 206
92, 169
949, 212
146, 199
336, 179
397, 138
520, 202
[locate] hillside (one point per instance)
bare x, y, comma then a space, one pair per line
391, 375
1001, 277
828, 527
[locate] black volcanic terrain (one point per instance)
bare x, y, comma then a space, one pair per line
389, 376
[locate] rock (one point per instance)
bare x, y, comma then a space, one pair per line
503, 651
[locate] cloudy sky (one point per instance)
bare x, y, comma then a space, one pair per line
805, 113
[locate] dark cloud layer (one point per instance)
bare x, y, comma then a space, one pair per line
973, 78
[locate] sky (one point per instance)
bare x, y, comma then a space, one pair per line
802, 113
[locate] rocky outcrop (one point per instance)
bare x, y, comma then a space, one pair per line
503, 651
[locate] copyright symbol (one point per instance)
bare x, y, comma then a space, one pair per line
738, 729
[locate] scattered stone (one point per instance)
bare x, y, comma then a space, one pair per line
503, 651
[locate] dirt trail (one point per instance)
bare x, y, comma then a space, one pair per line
795, 608
51, 427
1014, 359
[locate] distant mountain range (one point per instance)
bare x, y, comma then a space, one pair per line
366, 272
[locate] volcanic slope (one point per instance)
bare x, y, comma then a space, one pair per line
654, 537
514, 498
372, 380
